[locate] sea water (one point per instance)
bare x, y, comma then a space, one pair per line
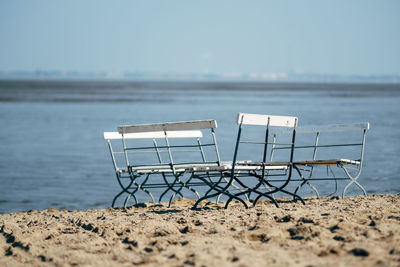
52, 151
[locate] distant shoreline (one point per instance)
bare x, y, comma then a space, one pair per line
125, 91
197, 84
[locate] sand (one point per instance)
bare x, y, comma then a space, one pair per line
362, 231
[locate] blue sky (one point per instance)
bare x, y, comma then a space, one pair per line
335, 37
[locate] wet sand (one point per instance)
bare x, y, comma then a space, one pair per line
328, 231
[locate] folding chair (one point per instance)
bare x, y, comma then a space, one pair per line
155, 157
331, 147
260, 170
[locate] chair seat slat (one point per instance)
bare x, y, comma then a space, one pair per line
327, 162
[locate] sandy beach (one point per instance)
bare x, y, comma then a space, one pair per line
353, 231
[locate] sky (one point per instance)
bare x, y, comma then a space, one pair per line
357, 37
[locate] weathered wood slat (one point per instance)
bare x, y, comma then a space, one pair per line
237, 168
169, 126
155, 135
261, 119
327, 162
327, 128
334, 128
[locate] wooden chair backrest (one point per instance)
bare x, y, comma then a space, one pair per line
167, 142
323, 142
267, 121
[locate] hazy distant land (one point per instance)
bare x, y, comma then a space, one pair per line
205, 76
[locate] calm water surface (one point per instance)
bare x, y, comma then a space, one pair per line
52, 152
